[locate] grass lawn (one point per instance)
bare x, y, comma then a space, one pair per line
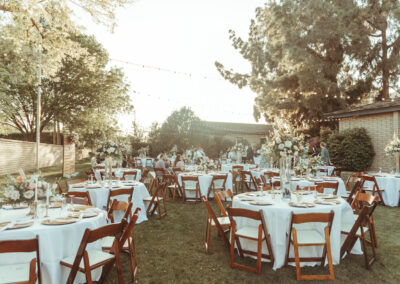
171, 250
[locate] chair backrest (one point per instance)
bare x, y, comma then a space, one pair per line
220, 196
272, 174
159, 192
149, 163
263, 179
25, 246
159, 172
74, 181
237, 168
361, 199
138, 162
78, 197
235, 176
99, 168
90, 236
308, 187
97, 175
189, 182
119, 192
117, 205
129, 175
337, 171
145, 174
354, 177
176, 170
354, 190
219, 181
168, 178
322, 185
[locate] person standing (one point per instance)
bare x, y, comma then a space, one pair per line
250, 154
325, 154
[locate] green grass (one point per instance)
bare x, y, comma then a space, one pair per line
171, 250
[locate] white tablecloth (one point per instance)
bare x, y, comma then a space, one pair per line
99, 197
228, 167
391, 186
205, 182
55, 243
277, 217
302, 183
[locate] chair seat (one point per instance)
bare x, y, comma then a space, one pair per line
107, 242
346, 228
172, 186
249, 232
223, 221
95, 257
309, 237
191, 188
14, 273
370, 189
150, 197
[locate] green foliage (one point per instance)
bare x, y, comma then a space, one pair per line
313, 57
351, 149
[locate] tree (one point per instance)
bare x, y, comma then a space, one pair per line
307, 58
83, 94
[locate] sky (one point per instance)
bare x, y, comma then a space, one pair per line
186, 36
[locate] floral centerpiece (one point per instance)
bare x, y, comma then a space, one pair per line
143, 151
17, 190
207, 164
109, 149
393, 148
238, 148
282, 144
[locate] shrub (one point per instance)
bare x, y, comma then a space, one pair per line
351, 149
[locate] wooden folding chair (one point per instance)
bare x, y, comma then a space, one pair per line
354, 177
59, 188
73, 181
87, 260
310, 237
235, 176
151, 186
275, 183
145, 174
221, 196
358, 231
323, 171
138, 163
264, 180
322, 185
218, 183
258, 234
337, 171
190, 184
237, 168
126, 242
129, 175
149, 163
309, 188
247, 180
271, 175
123, 206
358, 202
156, 200
213, 221
173, 186
350, 195
119, 192
78, 197
375, 188
177, 170
15, 273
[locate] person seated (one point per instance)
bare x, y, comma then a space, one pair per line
161, 164
179, 163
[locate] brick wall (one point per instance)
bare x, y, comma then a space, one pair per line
16, 154
380, 127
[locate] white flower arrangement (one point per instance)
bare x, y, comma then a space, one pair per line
394, 146
238, 148
110, 149
282, 144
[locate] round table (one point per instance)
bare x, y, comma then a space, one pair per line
205, 182
119, 172
99, 196
277, 217
56, 242
391, 186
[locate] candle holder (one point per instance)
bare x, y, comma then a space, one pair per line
34, 210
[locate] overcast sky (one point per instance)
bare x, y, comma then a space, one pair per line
186, 36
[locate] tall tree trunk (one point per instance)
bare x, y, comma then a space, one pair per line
384, 65
55, 133
58, 133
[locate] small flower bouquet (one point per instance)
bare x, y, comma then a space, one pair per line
393, 147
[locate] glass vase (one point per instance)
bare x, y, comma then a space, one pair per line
285, 177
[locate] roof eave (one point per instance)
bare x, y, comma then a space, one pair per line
363, 112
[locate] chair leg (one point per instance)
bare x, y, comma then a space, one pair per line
296, 255
131, 260
259, 251
232, 250
373, 232
328, 249
206, 239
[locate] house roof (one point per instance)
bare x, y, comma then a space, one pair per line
215, 127
367, 109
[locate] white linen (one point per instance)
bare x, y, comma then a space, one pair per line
277, 217
55, 243
99, 197
391, 186
205, 182
228, 167
119, 172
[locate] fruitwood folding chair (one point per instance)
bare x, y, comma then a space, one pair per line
123, 206
337, 171
218, 183
87, 260
149, 163
235, 176
78, 197
144, 176
350, 195
310, 237
221, 196
129, 175
213, 221
113, 194
173, 186
324, 172
354, 177
190, 184
156, 200
258, 234
138, 163
307, 188
358, 202
375, 188
358, 231
247, 180
126, 243
321, 186
23, 273
275, 183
